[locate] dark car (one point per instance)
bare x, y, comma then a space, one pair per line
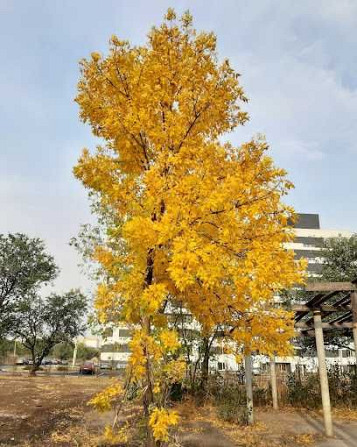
87, 368
46, 362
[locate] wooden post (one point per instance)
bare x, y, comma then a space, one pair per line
325, 393
354, 319
249, 387
274, 388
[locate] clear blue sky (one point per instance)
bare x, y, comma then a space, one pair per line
299, 68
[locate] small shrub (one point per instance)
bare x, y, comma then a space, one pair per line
230, 401
262, 396
304, 391
232, 412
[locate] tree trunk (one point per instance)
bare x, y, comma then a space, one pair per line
34, 366
148, 398
205, 363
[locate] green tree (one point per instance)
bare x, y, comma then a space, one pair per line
339, 256
63, 351
340, 264
340, 259
86, 352
41, 323
24, 267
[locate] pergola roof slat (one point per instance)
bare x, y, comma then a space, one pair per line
331, 286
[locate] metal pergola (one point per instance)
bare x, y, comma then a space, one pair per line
333, 306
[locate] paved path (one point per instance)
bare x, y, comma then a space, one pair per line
345, 432
300, 422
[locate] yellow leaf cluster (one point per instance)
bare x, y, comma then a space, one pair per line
103, 401
115, 436
160, 422
169, 340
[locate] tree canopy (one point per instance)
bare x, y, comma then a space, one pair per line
340, 259
24, 267
41, 323
189, 218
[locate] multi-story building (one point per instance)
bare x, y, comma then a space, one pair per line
308, 243
310, 239
115, 346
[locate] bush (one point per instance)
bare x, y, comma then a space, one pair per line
231, 403
262, 396
232, 412
343, 387
304, 391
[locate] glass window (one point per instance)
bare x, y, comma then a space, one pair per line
221, 366
124, 333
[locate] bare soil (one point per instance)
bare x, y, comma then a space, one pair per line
47, 411
31, 408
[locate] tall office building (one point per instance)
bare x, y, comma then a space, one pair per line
309, 241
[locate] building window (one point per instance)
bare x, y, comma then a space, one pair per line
216, 350
117, 347
346, 353
221, 366
283, 367
108, 332
124, 333
123, 348
332, 353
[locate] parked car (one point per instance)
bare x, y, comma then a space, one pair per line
87, 368
121, 365
22, 362
105, 365
46, 362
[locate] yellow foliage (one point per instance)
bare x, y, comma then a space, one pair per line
188, 218
160, 422
103, 401
169, 340
175, 371
116, 436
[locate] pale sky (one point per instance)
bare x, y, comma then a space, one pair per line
298, 65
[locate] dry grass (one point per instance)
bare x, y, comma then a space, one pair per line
346, 414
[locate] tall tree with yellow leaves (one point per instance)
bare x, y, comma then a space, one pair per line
189, 219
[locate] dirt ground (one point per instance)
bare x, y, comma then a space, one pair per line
31, 408
53, 412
